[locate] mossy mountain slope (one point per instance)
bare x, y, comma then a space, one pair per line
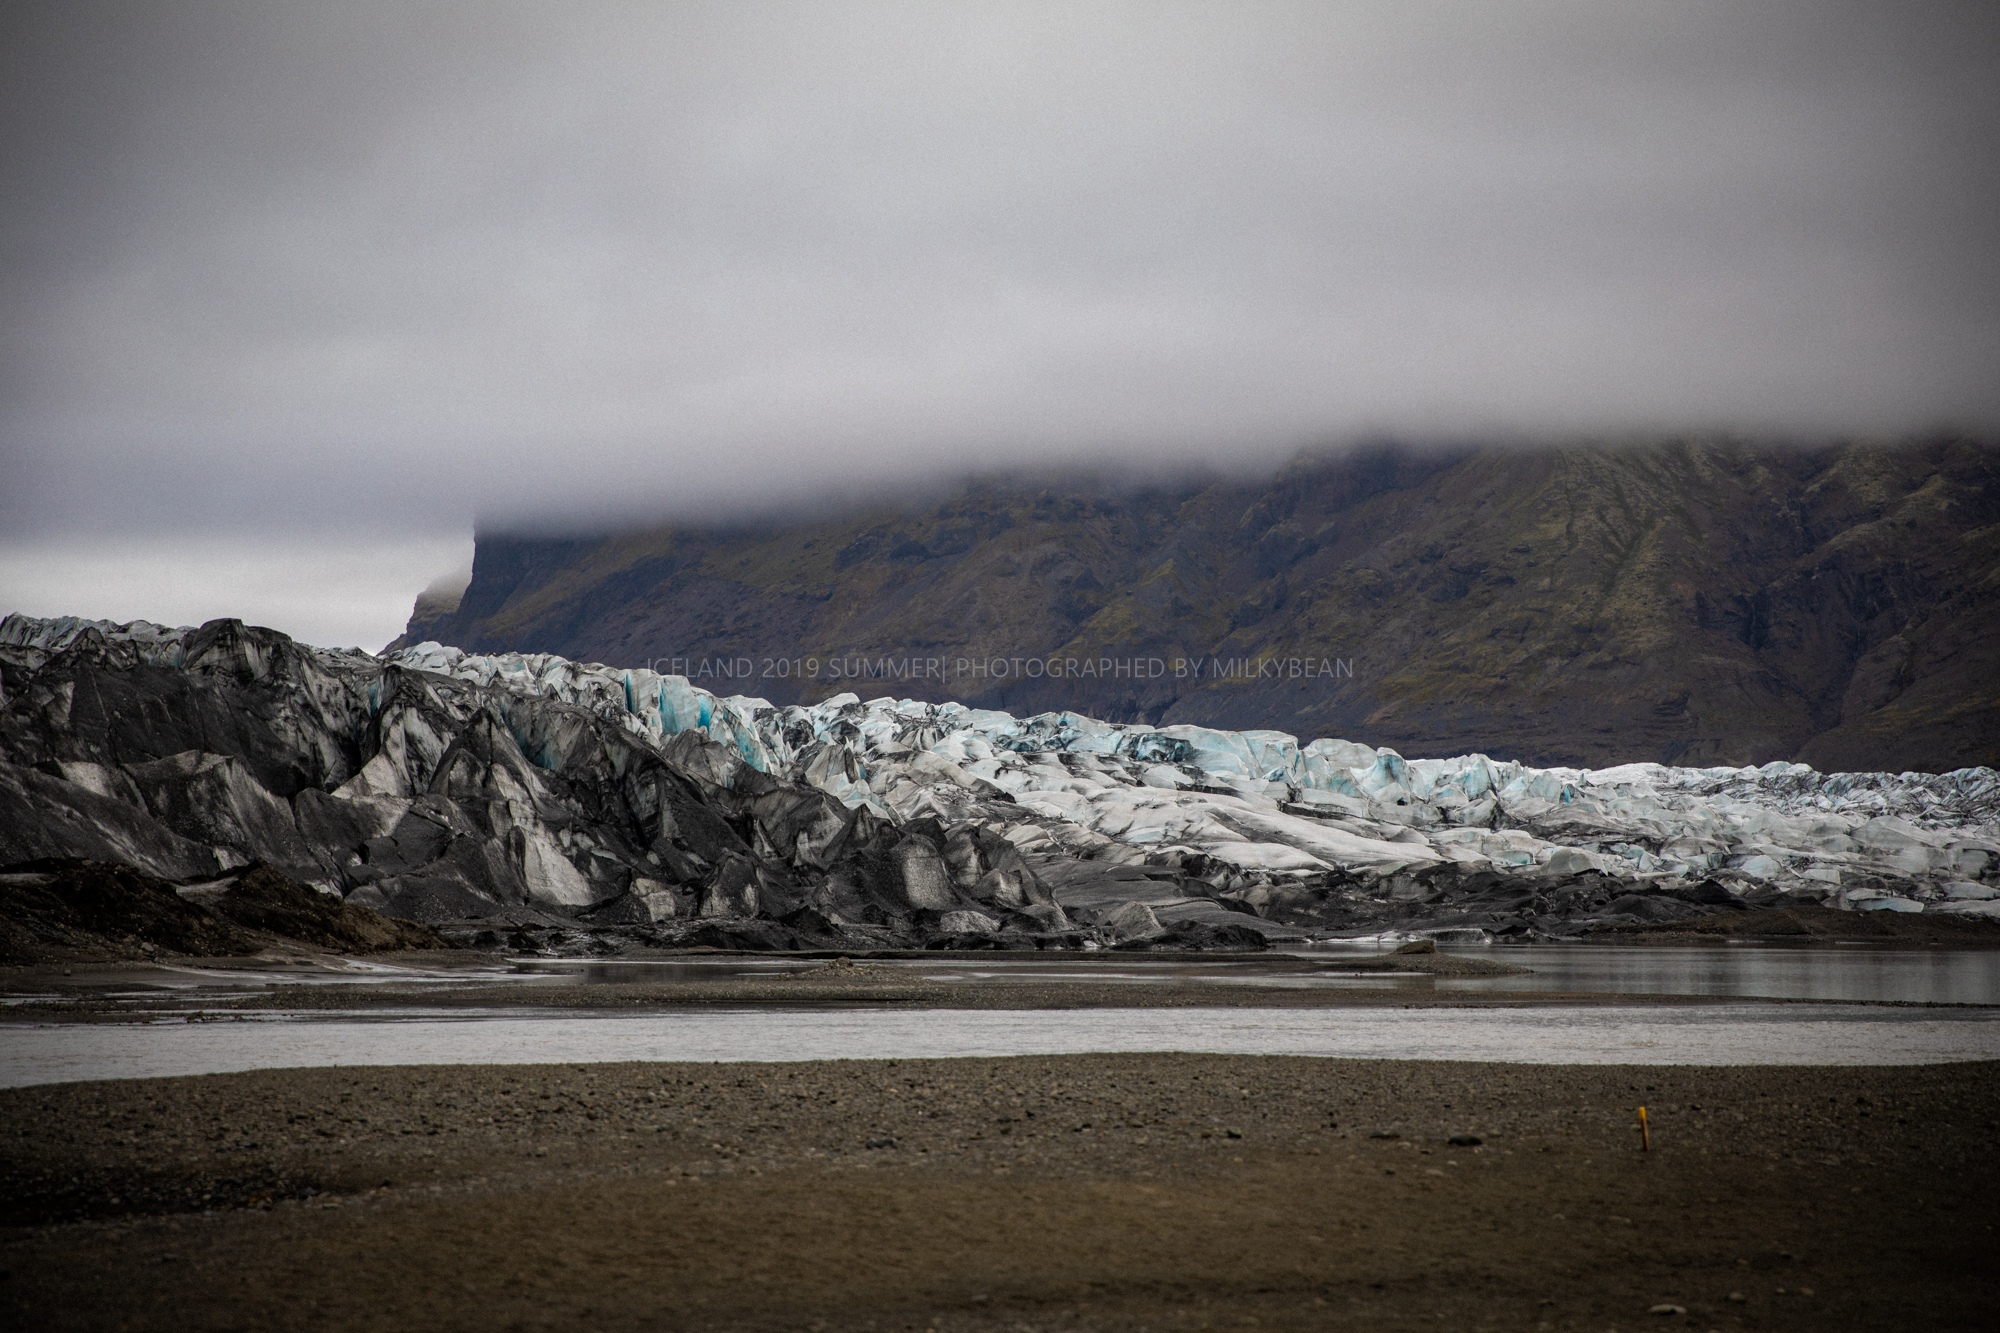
1697, 602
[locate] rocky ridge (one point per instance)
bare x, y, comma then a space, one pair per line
531, 800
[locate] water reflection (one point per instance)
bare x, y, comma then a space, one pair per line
1909, 976
621, 972
1940, 976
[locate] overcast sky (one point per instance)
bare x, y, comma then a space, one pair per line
293, 294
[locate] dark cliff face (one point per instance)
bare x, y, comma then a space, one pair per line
1690, 602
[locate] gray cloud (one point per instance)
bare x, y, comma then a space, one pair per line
340, 593
352, 269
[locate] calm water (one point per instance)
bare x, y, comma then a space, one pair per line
1838, 975
1644, 1035
1933, 976
1841, 975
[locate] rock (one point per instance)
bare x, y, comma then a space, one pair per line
1417, 946
925, 878
1465, 1140
739, 936
1127, 921
732, 891
1711, 893
1201, 936
648, 903
813, 924
372, 898
1043, 917
1570, 861
260, 898
1650, 907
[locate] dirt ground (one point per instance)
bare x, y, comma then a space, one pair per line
1155, 1192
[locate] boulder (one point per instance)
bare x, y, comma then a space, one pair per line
1201, 936
967, 923
1125, 921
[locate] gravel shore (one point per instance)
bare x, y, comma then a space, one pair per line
1080, 1192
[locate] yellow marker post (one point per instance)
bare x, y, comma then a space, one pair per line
1645, 1134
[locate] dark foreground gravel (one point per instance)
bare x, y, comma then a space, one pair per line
1045, 1193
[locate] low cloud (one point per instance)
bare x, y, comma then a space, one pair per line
352, 593
347, 271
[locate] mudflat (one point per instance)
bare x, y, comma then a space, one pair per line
1074, 1192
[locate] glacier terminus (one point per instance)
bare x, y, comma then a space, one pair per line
579, 805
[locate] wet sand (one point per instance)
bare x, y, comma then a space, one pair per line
1084, 1192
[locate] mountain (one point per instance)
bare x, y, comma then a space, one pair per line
1690, 602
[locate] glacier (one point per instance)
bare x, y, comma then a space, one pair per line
567, 796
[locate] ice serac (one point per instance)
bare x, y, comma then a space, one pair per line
591, 801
